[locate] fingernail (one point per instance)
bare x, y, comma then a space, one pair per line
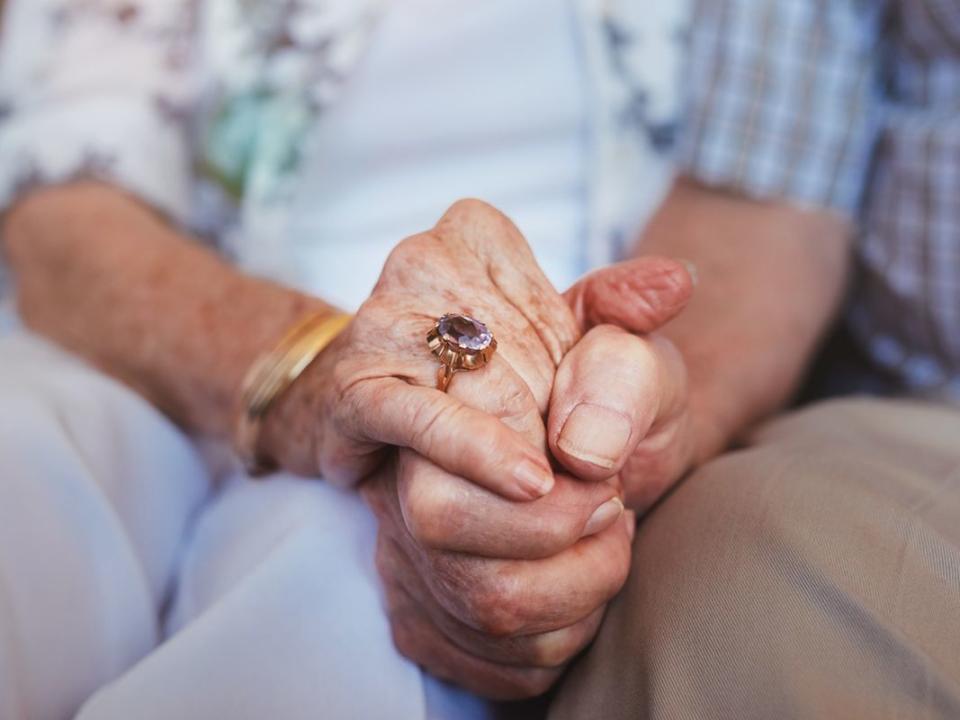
691, 271
533, 478
595, 435
603, 517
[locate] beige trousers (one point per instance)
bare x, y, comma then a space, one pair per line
814, 574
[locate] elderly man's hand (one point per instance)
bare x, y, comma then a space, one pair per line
494, 595
620, 404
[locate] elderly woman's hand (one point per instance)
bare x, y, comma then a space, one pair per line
374, 387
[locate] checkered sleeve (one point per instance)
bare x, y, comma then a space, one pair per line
98, 88
782, 98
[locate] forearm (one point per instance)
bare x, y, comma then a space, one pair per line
770, 278
105, 277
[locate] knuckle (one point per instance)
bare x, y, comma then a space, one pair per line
540, 681
555, 649
374, 495
405, 262
427, 421
672, 275
383, 560
480, 226
641, 360
651, 301
551, 653
382, 563
666, 289
378, 313
615, 348
503, 395
468, 207
406, 251
342, 382
555, 533
517, 400
613, 342
528, 684
618, 574
656, 271
495, 606
405, 640
428, 513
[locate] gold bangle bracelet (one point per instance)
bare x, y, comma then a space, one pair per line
275, 371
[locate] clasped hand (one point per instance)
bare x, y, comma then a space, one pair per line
502, 531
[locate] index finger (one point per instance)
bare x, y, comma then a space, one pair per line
462, 439
445, 512
507, 598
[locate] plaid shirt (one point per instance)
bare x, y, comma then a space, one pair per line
852, 105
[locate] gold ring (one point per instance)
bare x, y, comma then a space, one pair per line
460, 343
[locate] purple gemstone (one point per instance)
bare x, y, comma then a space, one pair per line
465, 332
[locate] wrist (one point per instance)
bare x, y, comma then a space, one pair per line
290, 431
713, 415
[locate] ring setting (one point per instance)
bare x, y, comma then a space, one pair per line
459, 342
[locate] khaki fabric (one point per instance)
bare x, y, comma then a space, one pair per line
814, 574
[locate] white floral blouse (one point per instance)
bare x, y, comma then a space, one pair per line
185, 103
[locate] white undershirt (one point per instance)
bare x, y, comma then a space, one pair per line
456, 98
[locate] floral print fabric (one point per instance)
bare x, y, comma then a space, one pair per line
169, 98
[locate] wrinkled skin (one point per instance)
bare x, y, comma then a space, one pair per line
490, 584
375, 386
503, 627
625, 366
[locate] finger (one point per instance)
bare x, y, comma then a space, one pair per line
513, 268
608, 393
505, 598
445, 512
419, 640
499, 390
461, 439
379, 491
639, 295
524, 597
548, 650
519, 349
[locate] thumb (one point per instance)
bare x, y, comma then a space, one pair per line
608, 392
638, 295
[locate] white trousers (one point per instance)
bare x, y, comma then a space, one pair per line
139, 579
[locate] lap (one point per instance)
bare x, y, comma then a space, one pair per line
96, 491
279, 590
815, 573
106, 507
